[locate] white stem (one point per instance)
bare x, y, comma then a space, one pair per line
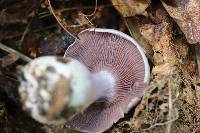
87, 87
51, 85
104, 83
83, 92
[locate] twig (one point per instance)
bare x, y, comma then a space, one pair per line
35, 31
73, 8
12, 51
197, 49
160, 124
170, 108
62, 22
87, 7
24, 33
87, 19
95, 10
84, 7
63, 25
152, 126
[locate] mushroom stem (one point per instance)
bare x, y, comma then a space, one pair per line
104, 83
53, 89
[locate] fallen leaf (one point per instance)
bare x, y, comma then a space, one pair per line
187, 15
130, 8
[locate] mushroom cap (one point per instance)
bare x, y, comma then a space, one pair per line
119, 54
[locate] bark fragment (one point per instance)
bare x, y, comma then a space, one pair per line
186, 14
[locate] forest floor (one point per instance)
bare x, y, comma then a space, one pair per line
168, 31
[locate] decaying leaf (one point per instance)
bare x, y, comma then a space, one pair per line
158, 108
162, 27
130, 8
163, 108
160, 36
186, 13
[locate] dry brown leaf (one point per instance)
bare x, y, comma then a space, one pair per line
187, 16
158, 110
171, 84
130, 8
160, 37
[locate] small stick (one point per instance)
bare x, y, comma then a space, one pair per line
93, 13
35, 31
170, 109
161, 124
24, 33
10, 50
45, 14
62, 22
197, 50
59, 20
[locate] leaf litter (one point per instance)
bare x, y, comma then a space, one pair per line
167, 30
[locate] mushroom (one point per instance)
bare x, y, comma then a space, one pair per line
102, 76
